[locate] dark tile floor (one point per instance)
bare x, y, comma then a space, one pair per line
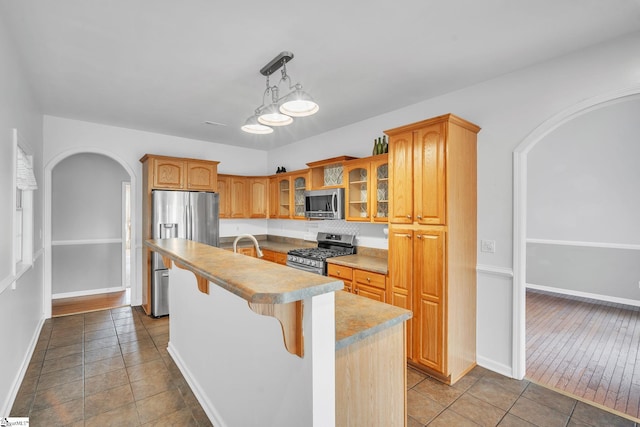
111, 367
484, 398
108, 367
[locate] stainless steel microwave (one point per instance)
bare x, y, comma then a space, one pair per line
324, 204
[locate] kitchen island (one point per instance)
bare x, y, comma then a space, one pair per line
263, 344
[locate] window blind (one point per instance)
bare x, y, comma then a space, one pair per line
25, 179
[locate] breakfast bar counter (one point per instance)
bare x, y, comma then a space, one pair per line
331, 359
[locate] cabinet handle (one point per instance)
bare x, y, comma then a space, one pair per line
407, 235
355, 291
409, 216
419, 236
368, 279
419, 216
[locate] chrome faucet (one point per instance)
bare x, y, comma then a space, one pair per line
250, 237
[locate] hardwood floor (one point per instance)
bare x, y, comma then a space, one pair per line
89, 303
586, 348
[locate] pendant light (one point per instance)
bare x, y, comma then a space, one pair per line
281, 110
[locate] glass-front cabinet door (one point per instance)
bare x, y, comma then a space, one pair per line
284, 203
299, 187
380, 189
357, 191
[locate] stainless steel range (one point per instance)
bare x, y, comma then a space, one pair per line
329, 245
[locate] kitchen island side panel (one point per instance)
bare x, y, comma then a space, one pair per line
236, 362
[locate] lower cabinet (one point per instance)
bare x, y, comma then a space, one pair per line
439, 336
343, 273
273, 256
247, 250
360, 282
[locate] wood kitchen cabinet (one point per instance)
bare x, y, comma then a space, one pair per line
343, 273
247, 250
238, 198
286, 194
243, 197
224, 196
366, 190
169, 173
258, 188
328, 173
299, 183
432, 241
273, 256
361, 282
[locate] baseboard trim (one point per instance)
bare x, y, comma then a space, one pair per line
5, 409
494, 366
87, 292
570, 292
209, 409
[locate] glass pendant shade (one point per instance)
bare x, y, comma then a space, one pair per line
271, 116
299, 104
252, 126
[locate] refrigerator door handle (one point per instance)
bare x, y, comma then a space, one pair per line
187, 222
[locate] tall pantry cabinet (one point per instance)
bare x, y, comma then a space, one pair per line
432, 241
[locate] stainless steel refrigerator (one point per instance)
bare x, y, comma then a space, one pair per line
189, 215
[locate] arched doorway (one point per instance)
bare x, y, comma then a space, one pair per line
97, 243
520, 212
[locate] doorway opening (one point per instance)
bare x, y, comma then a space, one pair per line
89, 233
585, 359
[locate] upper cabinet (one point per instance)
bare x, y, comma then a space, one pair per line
243, 196
223, 191
172, 173
258, 196
286, 194
417, 159
201, 175
366, 189
328, 173
299, 184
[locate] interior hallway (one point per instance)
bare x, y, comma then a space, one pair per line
586, 348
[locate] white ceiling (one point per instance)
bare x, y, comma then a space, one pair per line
167, 66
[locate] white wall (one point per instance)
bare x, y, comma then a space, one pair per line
507, 109
21, 310
583, 204
64, 137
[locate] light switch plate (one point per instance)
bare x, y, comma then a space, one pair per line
488, 246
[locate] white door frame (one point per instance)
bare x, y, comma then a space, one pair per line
123, 223
520, 213
136, 290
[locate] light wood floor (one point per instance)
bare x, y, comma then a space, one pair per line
585, 348
89, 303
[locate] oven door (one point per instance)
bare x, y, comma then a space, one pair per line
308, 268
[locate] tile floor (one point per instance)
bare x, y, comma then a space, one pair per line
484, 398
111, 367
107, 367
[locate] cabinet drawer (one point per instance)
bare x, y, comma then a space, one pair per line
345, 273
281, 258
369, 278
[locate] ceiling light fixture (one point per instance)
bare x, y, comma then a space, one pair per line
281, 110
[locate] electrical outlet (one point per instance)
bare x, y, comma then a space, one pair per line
488, 246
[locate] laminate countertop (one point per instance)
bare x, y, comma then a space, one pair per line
363, 262
261, 281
